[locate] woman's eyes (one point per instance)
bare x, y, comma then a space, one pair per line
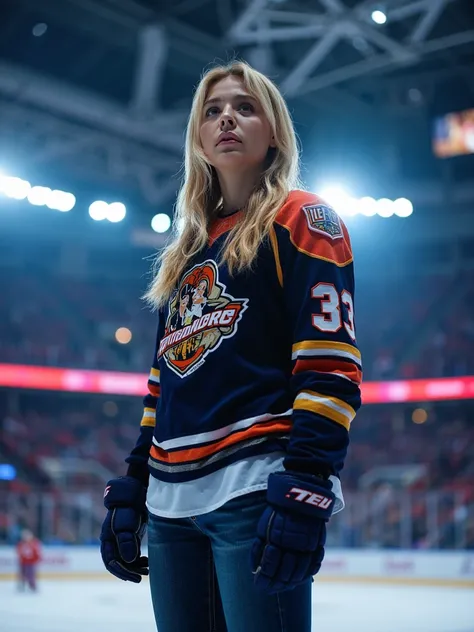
244, 107
248, 107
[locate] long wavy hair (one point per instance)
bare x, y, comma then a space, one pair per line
199, 199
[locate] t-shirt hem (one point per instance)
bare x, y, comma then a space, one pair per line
203, 510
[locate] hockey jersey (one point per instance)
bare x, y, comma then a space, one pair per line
259, 366
29, 551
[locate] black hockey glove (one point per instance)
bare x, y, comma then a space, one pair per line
123, 529
291, 533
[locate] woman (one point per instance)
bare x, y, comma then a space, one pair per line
245, 426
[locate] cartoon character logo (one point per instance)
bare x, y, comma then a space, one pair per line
201, 315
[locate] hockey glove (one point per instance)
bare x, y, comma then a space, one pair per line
123, 529
291, 532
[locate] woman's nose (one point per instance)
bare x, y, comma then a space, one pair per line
227, 121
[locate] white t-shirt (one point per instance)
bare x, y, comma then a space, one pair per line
205, 494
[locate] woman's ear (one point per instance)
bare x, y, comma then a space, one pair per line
272, 142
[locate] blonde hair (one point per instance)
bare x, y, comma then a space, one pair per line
199, 198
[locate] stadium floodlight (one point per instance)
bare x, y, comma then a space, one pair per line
39, 196
161, 223
116, 212
61, 201
379, 17
339, 199
403, 207
98, 210
385, 207
14, 188
368, 206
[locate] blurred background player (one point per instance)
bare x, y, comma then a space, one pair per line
29, 556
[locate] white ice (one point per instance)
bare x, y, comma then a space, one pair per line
113, 606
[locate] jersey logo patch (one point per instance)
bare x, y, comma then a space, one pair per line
323, 219
200, 316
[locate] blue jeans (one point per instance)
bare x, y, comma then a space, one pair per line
201, 578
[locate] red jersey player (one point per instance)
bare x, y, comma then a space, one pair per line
29, 555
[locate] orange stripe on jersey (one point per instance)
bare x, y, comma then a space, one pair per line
305, 235
195, 454
222, 225
154, 389
337, 367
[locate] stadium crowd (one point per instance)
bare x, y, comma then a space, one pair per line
390, 457
405, 330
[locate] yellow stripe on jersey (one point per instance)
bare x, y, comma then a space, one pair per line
149, 417
331, 407
325, 345
276, 254
154, 375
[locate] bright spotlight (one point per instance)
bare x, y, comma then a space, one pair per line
385, 207
351, 207
379, 17
15, 188
39, 196
368, 206
403, 207
61, 201
98, 210
116, 212
339, 199
161, 223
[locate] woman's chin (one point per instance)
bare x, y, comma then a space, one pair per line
232, 158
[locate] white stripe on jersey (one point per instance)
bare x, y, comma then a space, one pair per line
220, 433
329, 403
335, 353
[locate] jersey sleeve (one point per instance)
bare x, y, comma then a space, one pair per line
313, 257
138, 458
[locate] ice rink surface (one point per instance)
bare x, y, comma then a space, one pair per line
113, 606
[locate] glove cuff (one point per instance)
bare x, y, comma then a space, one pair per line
125, 491
304, 494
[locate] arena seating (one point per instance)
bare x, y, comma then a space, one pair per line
73, 427
409, 328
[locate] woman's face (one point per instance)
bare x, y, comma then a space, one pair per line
235, 132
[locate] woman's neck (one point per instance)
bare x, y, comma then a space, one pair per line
236, 191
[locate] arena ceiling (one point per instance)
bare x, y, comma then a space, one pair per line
108, 85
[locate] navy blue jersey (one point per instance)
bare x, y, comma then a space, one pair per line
260, 361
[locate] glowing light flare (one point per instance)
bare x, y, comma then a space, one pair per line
341, 201
113, 212
403, 207
379, 17
14, 188
161, 223
123, 335
419, 416
385, 207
